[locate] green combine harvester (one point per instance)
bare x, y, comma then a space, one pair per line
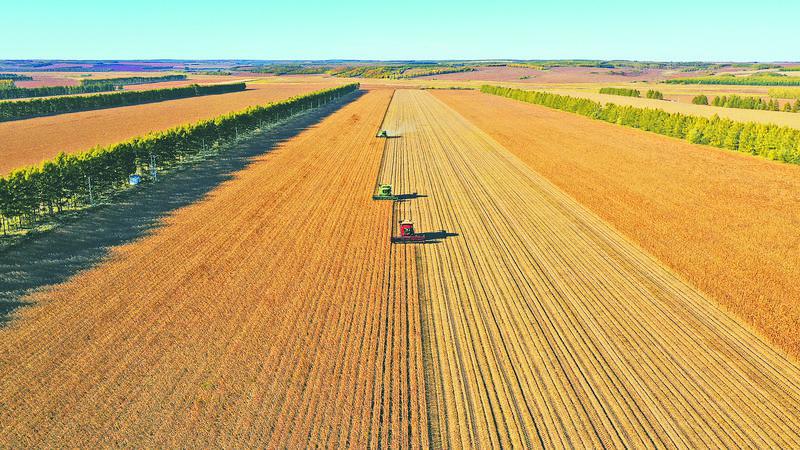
384, 192
383, 134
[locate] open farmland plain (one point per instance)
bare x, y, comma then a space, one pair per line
25, 142
723, 220
543, 326
298, 329
276, 313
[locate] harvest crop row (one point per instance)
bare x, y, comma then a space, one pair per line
45, 91
72, 179
130, 80
749, 205
773, 79
543, 327
770, 141
289, 324
24, 109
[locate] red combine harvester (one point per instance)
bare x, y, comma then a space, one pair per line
407, 234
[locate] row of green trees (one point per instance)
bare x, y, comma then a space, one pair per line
15, 77
621, 91
655, 95
770, 141
25, 109
46, 91
768, 79
71, 180
131, 80
744, 102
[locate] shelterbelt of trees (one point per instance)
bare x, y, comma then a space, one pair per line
13, 92
72, 180
769, 141
768, 79
15, 77
25, 109
131, 80
621, 91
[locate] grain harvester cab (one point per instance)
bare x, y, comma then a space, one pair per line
384, 192
407, 233
383, 134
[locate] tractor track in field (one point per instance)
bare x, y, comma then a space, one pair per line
542, 326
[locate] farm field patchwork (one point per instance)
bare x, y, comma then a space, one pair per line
543, 326
273, 313
30, 141
723, 220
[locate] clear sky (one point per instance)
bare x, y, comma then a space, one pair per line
730, 30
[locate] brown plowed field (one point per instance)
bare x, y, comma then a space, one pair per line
25, 142
544, 327
272, 314
727, 222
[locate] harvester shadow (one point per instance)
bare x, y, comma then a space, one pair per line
436, 237
81, 242
404, 197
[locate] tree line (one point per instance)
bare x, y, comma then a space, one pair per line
655, 95
131, 80
769, 141
74, 180
25, 109
746, 102
621, 91
771, 79
15, 77
47, 91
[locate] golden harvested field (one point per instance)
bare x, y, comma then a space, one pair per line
725, 221
286, 321
25, 142
544, 327
275, 313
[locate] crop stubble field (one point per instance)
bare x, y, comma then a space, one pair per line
725, 221
262, 315
276, 313
30, 141
544, 327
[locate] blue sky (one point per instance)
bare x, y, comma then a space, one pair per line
734, 30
